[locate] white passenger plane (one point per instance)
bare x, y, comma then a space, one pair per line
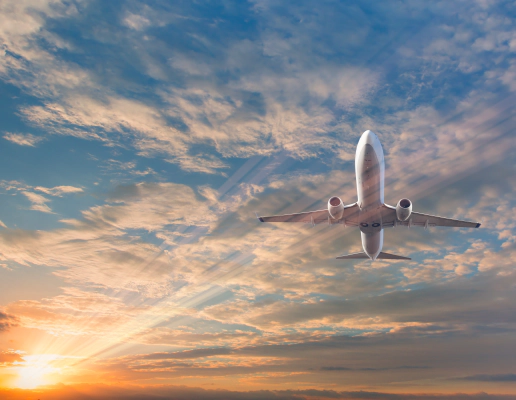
370, 213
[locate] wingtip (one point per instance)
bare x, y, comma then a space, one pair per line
259, 218
478, 225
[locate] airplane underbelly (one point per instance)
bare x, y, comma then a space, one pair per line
370, 189
372, 243
369, 178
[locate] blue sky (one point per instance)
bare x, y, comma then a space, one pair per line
138, 139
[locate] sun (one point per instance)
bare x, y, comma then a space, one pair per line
35, 370
31, 377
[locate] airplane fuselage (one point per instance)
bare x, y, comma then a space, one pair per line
370, 172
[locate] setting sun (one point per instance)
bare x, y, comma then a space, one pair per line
34, 372
31, 377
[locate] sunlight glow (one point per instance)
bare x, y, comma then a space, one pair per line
31, 377
33, 373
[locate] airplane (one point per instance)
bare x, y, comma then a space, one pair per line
370, 213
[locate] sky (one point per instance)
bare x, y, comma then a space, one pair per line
139, 138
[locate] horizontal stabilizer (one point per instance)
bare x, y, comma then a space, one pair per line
382, 256
387, 256
353, 256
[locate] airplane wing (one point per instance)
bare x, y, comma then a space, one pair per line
434, 220
389, 219
316, 217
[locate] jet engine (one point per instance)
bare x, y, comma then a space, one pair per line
336, 207
403, 209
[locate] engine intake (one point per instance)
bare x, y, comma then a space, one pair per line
336, 207
404, 209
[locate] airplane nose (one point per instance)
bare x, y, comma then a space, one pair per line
369, 134
369, 137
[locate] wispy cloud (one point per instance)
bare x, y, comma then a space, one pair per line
59, 190
23, 139
38, 202
491, 378
7, 321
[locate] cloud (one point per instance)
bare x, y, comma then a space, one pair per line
178, 337
27, 63
288, 91
388, 309
207, 164
10, 357
372, 353
38, 202
96, 119
130, 166
53, 191
199, 353
247, 117
136, 22
490, 378
75, 312
102, 241
59, 190
23, 139
98, 391
372, 369
7, 321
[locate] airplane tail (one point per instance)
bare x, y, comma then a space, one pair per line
382, 256
387, 256
353, 256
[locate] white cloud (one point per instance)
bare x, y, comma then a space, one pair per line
59, 190
204, 163
100, 249
38, 202
508, 76
136, 21
27, 64
94, 119
214, 115
23, 139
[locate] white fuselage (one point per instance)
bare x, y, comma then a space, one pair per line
370, 171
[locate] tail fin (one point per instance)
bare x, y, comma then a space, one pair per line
381, 256
387, 256
353, 256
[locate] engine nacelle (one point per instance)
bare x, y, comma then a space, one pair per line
404, 209
336, 207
